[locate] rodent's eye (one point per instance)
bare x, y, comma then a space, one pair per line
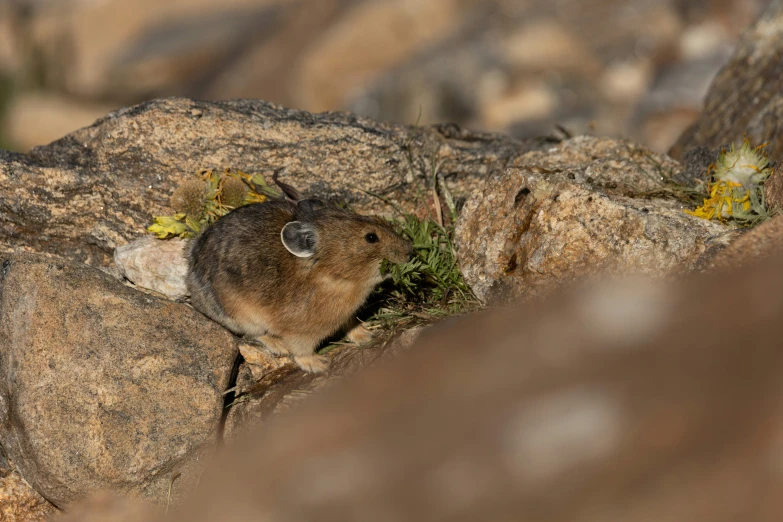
372, 237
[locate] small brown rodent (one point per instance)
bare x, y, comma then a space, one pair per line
290, 274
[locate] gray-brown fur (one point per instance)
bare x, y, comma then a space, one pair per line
243, 276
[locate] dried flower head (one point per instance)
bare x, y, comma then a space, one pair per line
190, 198
200, 202
233, 192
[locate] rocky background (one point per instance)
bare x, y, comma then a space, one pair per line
612, 401
620, 68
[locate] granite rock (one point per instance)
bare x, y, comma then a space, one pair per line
581, 208
99, 187
104, 387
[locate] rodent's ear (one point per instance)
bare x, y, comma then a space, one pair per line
299, 238
310, 205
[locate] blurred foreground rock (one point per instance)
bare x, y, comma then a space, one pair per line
745, 96
105, 506
580, 208
267, 385
762, 241
623, 402
103, 386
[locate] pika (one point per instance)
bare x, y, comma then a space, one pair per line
290, 274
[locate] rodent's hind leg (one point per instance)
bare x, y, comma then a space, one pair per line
274, 344
358, 334
302, 351
312, 363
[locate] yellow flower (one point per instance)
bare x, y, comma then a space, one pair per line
736, 191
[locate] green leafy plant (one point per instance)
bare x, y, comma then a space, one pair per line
428, 286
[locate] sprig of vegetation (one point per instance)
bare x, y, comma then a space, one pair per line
430, 285
201, 201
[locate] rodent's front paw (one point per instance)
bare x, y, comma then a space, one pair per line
359, 335
312, 363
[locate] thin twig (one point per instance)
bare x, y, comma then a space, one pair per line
171, 483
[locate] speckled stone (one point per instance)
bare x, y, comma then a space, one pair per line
154, 264
21, 503
99, 187
578, 209
102, 386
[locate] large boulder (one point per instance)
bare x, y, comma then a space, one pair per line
104, 387
745, 96
578, 209
99, 187
19, 502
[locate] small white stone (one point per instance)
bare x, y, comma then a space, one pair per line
154, 264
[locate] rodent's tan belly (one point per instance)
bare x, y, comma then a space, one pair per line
329, 307
249, 316
336, 301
